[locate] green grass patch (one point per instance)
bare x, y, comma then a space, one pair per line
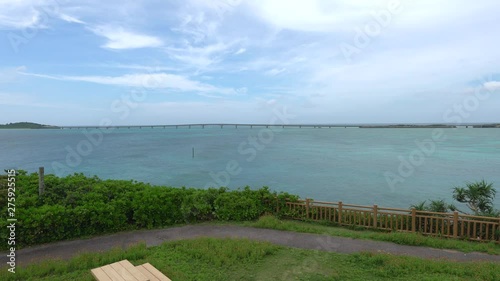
412, 239
241, 259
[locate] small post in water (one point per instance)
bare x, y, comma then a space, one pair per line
41, 184
193, 152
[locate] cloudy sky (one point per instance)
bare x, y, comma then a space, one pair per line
196, 61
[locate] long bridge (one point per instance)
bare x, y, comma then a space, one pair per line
222, 125
202, 126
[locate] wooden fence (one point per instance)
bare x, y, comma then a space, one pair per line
452, 225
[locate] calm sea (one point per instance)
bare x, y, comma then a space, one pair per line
388, 167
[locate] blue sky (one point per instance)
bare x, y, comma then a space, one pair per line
194, 61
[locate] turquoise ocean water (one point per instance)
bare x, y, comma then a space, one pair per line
358, 166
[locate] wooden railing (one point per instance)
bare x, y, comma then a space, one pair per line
452, 225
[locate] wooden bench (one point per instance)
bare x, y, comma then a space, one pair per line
125, 271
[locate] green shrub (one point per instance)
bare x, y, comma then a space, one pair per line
77, 206
199, 206
234, 206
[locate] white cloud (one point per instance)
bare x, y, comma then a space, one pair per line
314, 15
329, 15
20, 14
70, 19
199, 57
274, 71
148, 81
240, 51
149, 68
118, 38
10, 74
290, 47
492, 85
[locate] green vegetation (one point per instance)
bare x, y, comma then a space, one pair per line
478, 197
412, 239
26, 125
79, 206
240, 259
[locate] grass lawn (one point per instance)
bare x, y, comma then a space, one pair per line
411, 239
241, 259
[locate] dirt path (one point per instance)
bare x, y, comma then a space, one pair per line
68, 249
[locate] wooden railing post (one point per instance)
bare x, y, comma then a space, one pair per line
41, 183
375, 216
455, 224
340, 212
413, 220
498, 229
307, 208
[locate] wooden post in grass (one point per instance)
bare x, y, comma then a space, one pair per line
41, 184
413, 220
455, 224
340, 212
375, 216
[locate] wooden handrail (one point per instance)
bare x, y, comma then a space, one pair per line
452, 225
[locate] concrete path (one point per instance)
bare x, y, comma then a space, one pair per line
68, 249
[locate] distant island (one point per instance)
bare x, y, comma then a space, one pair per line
31, 125
432, 126
409, 126
27, 125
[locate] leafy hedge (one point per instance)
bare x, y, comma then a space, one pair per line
77, 206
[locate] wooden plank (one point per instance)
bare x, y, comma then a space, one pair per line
155, 272
133, 270
122, 272
111, 273
146, 273
118, 271
100, 275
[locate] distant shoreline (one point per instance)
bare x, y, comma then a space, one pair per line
27, 125
30, 125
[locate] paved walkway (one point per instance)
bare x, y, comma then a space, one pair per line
68, 249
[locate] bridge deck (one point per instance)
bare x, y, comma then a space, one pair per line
189, 126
